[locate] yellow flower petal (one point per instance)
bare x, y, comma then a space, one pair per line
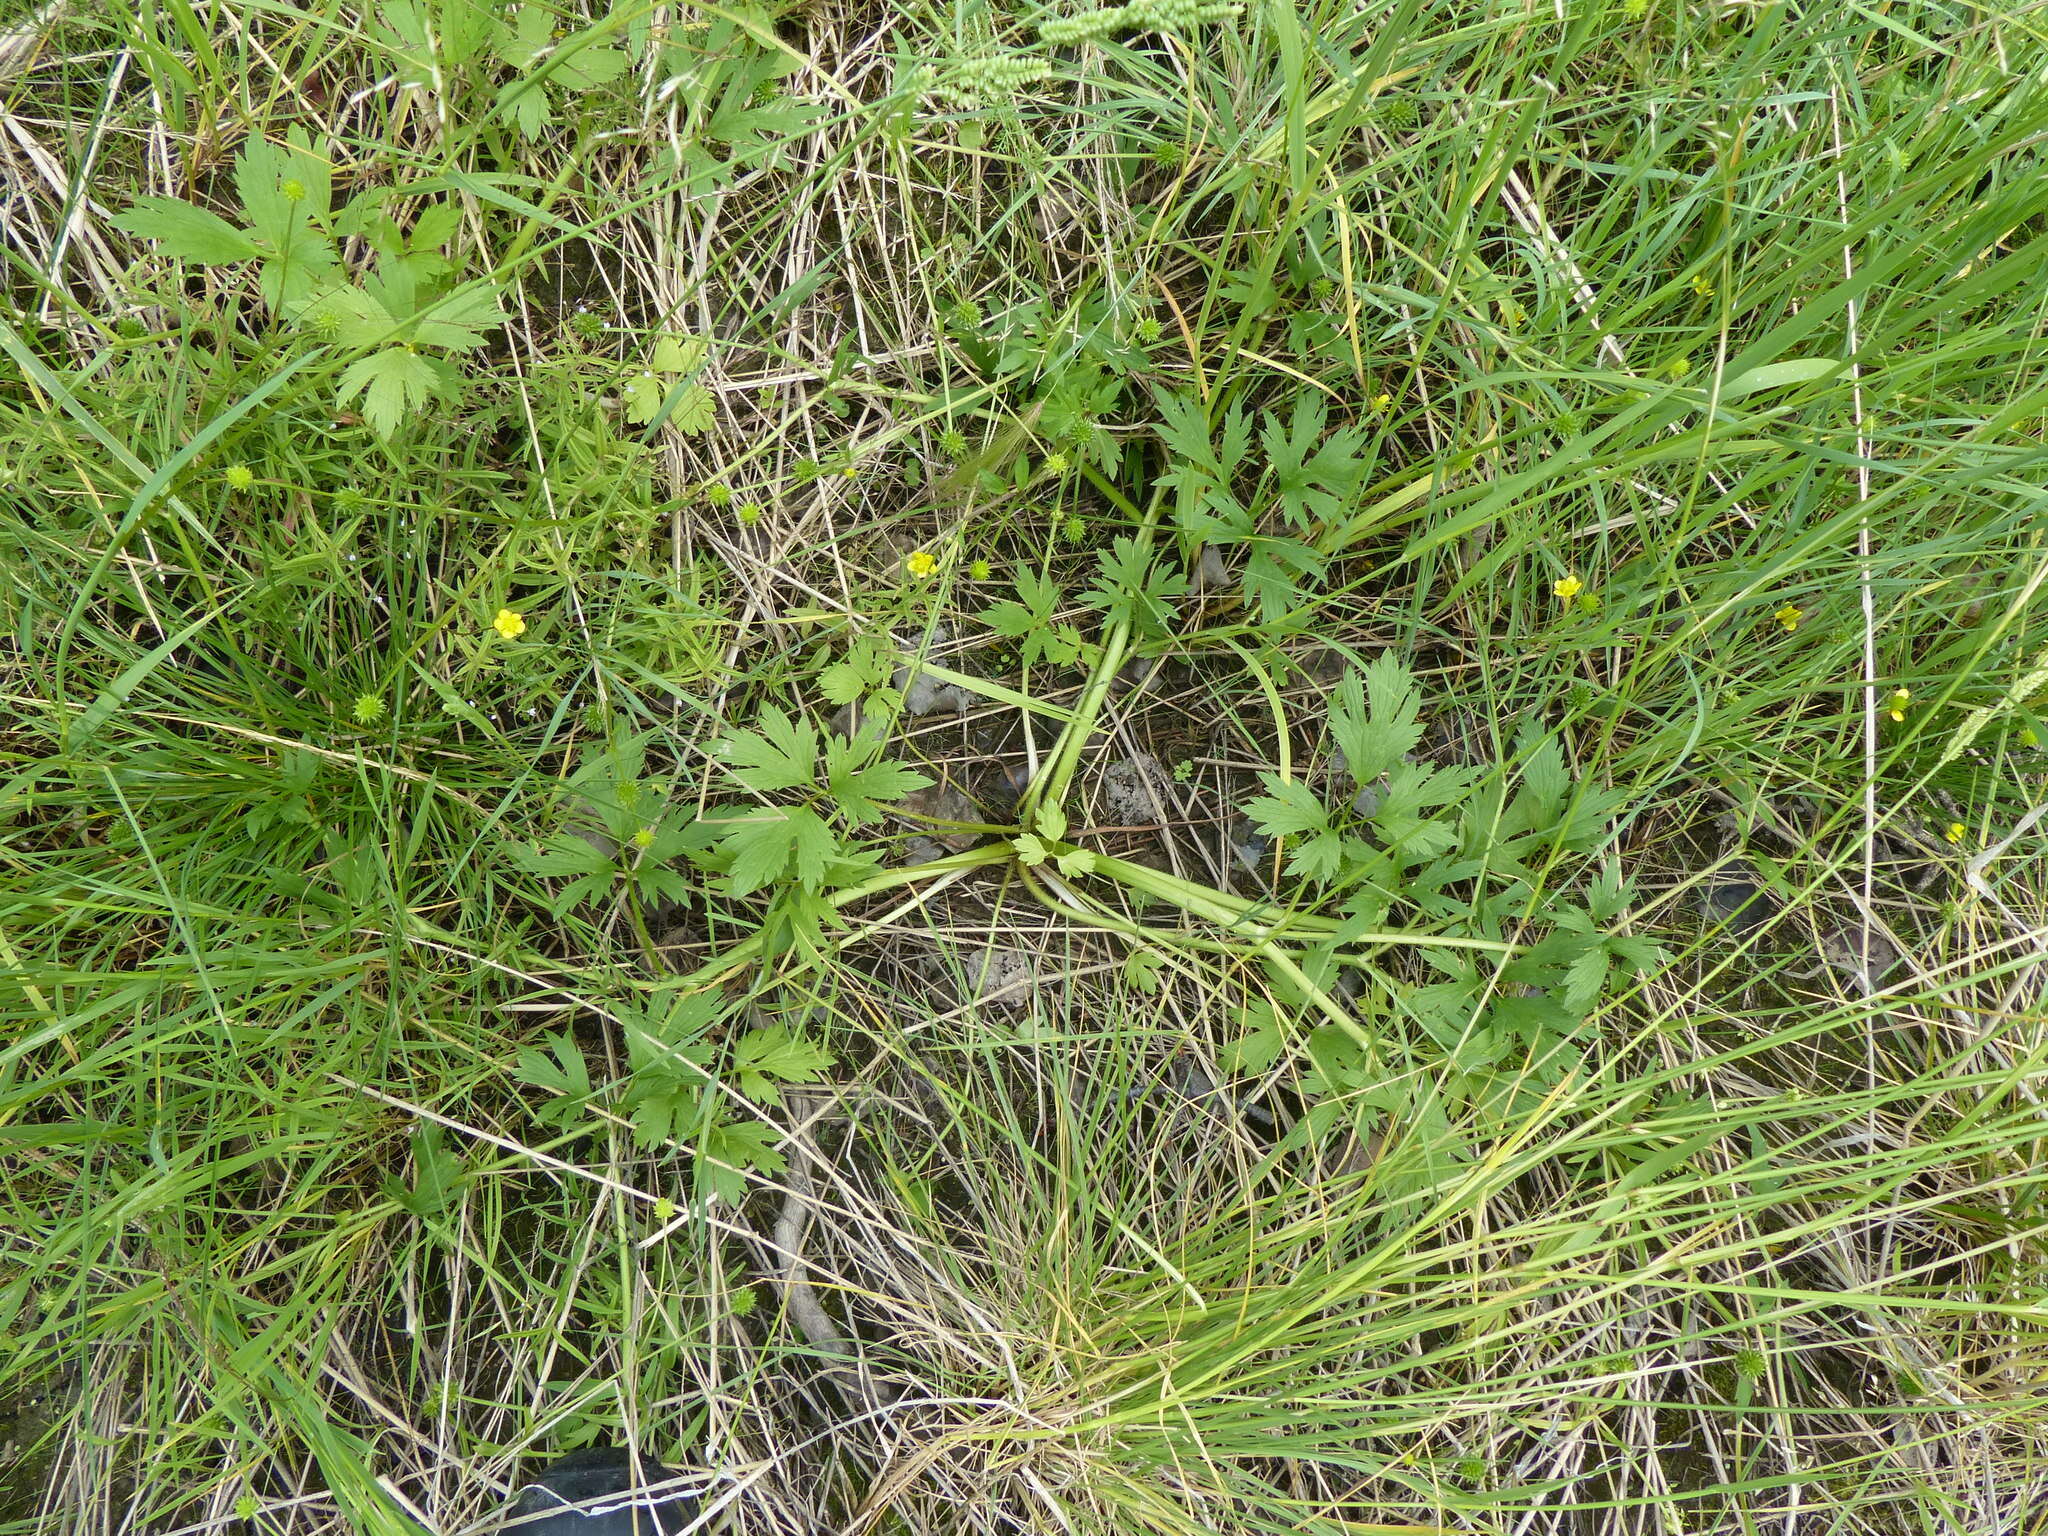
509, 624
1568, 587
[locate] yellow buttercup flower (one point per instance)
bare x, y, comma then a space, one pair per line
1895, 705
509, 624
922, 563
1789, 617
1568, 587
1955, 832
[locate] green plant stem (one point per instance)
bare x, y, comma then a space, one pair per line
1235, 913
1050, 787
720, 967
1264, 948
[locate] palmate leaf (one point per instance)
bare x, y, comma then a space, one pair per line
641, 398
588, 66
1184, 428
1275, 573
1133, 586
522, 42
696, 410
564, 853
1288, 809
664, 1098
858, 789
589, 871
782, 754
842, 682
1030, 622
1315, 478
284, 188
675, 353
658, 882
396, 383
1584, 978
765, 1058
561, 1072
1374, 738
524, 103
185, 232
729, 1149
768, 845
460, 319
1412, 791
352, 316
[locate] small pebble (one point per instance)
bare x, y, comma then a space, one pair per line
1210, 573
991, 975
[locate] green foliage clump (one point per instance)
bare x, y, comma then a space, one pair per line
378, 323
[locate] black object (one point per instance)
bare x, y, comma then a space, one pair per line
593, 1493
1736, 903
